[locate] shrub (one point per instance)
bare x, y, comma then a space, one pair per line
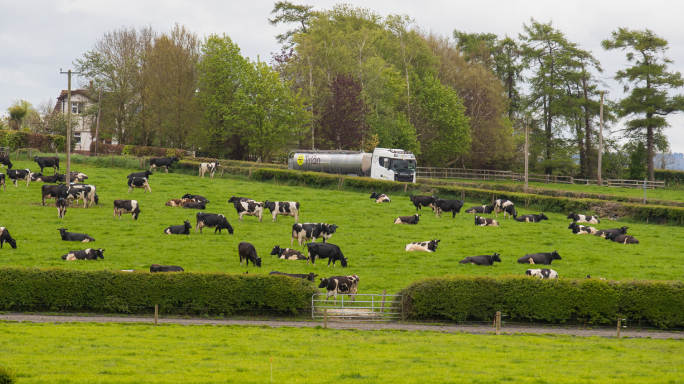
670, 176
127, 150
7, 376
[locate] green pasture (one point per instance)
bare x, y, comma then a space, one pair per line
116, 353
366, 234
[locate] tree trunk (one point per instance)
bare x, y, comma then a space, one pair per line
649, 150
588, 132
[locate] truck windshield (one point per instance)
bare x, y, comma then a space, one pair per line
403, 165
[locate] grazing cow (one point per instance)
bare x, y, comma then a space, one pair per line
453, 206
212, 220
195, 197
581, 229
127, 206
248, 253
531, 218
583, 218
54, 191
165, 268
407, 219
61, 205
6, 238
195, 205
287, 253
485, 222
2, 181
325, 251
622, 239
138, 182
19, 174
5, 160
539, 258
208, 167
380, 197
183, 229
47, 162
73, 236
178, 202
484, 209
311, 277
311, 231
481, 260
145, 174
341, 285
91, 197
249, 208
542, 273
425, 246
165, 162
423, 201
618, 231
233, 199
284, 208
88, 254
77, 193
505, 206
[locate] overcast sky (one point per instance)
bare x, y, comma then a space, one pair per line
37, 38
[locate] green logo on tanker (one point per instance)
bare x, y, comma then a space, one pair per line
300, 159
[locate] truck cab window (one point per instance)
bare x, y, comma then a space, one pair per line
403, 165
384, 162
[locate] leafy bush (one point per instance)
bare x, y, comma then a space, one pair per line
127, 150
671, 176
7, 376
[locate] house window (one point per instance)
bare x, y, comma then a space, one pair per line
77, 138
77, 108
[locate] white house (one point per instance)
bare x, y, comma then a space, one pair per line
79, 101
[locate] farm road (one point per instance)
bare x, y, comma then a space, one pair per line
527, 329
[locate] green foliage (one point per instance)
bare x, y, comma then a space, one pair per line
637, 162
289, 13
7, 376
671, 176
127, 150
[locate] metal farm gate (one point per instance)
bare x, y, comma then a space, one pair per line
364, 307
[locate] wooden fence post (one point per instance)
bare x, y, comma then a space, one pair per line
156, 314
618, 327
498, 323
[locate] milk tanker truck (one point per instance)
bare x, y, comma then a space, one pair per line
382, 164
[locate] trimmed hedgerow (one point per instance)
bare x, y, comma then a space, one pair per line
7, 376
673, 177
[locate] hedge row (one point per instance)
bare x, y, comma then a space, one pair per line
461, 298
134, 150
671, 176
22, 139
53, 289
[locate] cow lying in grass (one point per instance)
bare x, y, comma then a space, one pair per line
195, 197
481, 260
425, 246
88, 254
581, 229
287, 253
539, 258
542, 273
165, 268
73, 236
311, 277
380, 197
583, 218
485, 222
622, 239
616, 231
483, 209
407, 219
178, 202
531, 218
183, 229
341, 285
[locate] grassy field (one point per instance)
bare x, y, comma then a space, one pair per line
115, 353
366, 235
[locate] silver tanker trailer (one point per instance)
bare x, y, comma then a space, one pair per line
382, 164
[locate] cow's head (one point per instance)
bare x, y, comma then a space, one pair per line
311, 277
623, 230
35, 158
257, 262
331, 228
97, 199
276, 250
65, 256
270, 205
571, 215
514, 214
62, 231
187, 224
136, 213
610, 236
374, 195
433, 244
175, 158
155, 268
148, 173
99, 253
324, 283
188, 196
232, 199
343, 261
495, 257
555, 255
543, 216
531, 272
572, 225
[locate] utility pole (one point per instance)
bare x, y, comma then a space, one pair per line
527, 149
97, 126
67, 176
600, 148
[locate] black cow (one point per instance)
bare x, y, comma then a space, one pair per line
325, 251
284, 208
195, 205
73, 236
485, 222
542, 273
2, 181
19, 174
581, 229
138, 182
88, 254
531, 218
484, 209
6, 238
539, 258
622, 239
48, 179
453, 206
165, 162
54, 191
127, 206
583, 218
423, 201
195, 197
288, 253
341, 285
47, 162
214, 220
236, 198
407, 219
248, 253
61, 205
505, 206
145, 174
618, 231
311, 231
183, 229
380, 197
481, 260
165, 268
5, 160
311, 277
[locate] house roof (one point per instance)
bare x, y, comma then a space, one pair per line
65, 94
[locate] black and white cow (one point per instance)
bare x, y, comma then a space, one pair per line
622, 239
485, 222
617, 231
5, 160
581, 229
423, 201
233, 199
325, 251
50, 162
284, 208
165, 162
195, 197
380, 197
73, 236
288, 253
542, 273
598, 278
145, 174
195, 205
208, 167
87, 254
311, 231
6, 238
178, 202
249, 208
425, 246
73, 176
127, 206
61, 205
481, 260
340, 284
407, 219
583, 218
531, 218
139, 182
505, 206
154, 268
212, 220
539, 258
311, 277
2, 181
77, 193
183, 229
19, 174
453, 206
483, 210
54, 191
248, 253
